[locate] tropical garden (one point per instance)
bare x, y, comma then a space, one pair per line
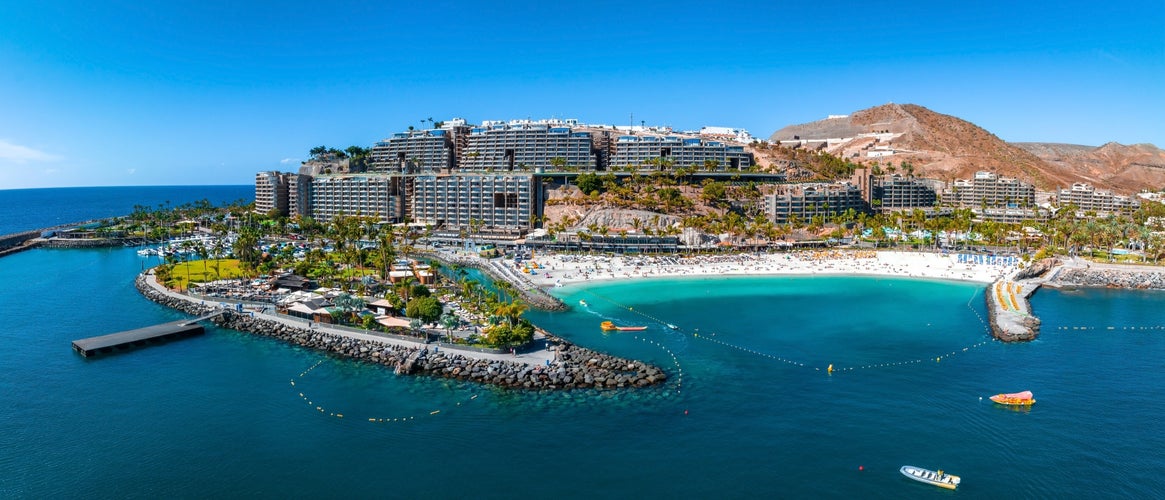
355, 255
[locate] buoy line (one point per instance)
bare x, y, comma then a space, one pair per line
675, 361
1155, 327
986, 325
745, 349
378, 419
937, 359
830, 369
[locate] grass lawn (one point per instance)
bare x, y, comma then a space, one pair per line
192, 272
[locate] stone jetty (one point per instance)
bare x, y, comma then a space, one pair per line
575, 368
1007, 298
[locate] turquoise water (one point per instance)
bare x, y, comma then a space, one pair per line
750, 410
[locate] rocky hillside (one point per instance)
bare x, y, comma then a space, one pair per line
1122, 168
945, 147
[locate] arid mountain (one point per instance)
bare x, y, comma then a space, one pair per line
948, 148
1124, 169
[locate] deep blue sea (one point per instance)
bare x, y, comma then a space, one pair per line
750, 411
28, 209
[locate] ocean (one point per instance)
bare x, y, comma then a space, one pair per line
27, 209
750, 410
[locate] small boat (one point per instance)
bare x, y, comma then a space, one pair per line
673, 327
608, 326
939, 478
582, 303
1014, 399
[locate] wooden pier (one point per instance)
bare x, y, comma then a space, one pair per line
107, 344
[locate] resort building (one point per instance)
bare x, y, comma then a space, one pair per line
367, 195
298, 195
526, 146
1087, 198
486, 201
271, 192
894, 193
805, 201
991, 191
657, 152
1009, 215
417, 151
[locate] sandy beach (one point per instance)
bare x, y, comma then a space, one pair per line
561, 270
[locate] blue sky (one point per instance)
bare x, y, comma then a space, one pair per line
100, 92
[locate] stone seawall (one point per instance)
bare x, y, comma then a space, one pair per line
1111, 277
17, 239
83, 242
19, 242
577, 367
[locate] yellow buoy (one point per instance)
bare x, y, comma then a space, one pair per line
830, 369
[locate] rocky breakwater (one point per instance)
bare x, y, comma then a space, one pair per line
575, 368
1106, 276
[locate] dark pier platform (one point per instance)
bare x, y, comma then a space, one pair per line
107, 344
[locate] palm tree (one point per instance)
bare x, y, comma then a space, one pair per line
469, 289
449, 321
203, 253
405, 287
506, 290
385, 238
511, 311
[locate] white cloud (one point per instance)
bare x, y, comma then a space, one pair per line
285, 161
21, 154
131, 171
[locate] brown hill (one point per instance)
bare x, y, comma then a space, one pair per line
945, 147
1124, 169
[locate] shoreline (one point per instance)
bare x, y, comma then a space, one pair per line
561, 270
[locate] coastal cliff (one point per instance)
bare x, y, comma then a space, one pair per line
576, 367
